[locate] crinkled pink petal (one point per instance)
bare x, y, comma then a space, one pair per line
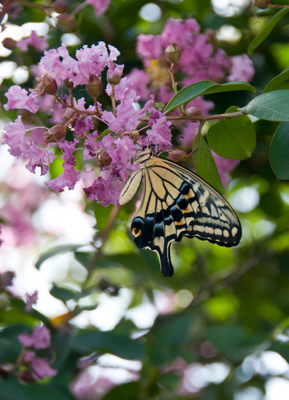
14, 136
38, 158
19, 98
68, 178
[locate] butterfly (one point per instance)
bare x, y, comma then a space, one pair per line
175, 203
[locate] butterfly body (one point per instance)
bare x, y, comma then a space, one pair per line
175, 203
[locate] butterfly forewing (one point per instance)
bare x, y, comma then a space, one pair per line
176, 203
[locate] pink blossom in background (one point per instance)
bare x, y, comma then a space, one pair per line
85, 387
225, 166
100, 6
19, 98
42, 369
1, 241
41, 366
40, 338
140, 80
149, 47
31, 299
242, 69
40, 43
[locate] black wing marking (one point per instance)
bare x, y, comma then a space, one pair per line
176, 203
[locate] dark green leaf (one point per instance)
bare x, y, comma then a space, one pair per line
279, 151
225, 338
64, 294
205, 165
83, 258
233, 138
266, 30
275, 82
271, 106
55, 251
109, 342
201, 88
11, 389
129, 391
103, 134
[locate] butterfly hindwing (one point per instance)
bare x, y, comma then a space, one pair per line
176, 203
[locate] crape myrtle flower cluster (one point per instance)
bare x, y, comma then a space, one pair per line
114, 148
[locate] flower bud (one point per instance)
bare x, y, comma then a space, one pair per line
26, 376
55, 133
211, 35
66, 21
261, 3
178, 156
47, 84
103, 159
194, 111
173, 53
94, 86
114, 74
4, 300
68, 84
9, 43
134, 136
68, 114
60, 6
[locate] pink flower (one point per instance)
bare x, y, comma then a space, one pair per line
179, 31
126, 118
100, 5
38, 158
14, 136
70, 175
1, 241
120, 150
105, 191
242, 69
19, 98
41, 367
68, 178
31, 299
40, 43
54, 66
224, 166
40, 339
26, 340
149, 46
140, 80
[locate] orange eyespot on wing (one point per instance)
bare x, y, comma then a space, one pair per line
136, 232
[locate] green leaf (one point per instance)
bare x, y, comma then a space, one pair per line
55, 251
129, 391
109, 342
103, 134
101, 214
11, 389
83, 258
205, 165
266, 30
275, 82
279, 151
64, 294
226, 338
201, 88
271, 106
233, 138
